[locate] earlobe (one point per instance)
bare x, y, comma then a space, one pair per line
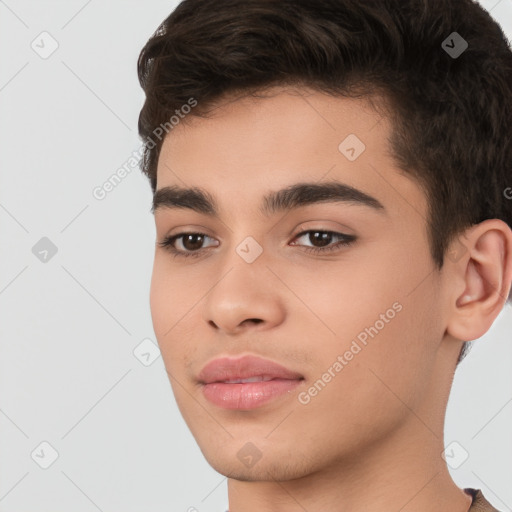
486, 275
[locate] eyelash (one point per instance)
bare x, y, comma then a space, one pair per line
168, 243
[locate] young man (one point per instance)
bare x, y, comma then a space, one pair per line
332, 192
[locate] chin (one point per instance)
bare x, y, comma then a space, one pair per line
270, 467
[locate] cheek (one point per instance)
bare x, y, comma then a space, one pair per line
172, 298
381, 314
345, 296
169, 306
171, 309
380, 380
403, 335
160, 301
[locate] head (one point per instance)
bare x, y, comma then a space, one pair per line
362, 100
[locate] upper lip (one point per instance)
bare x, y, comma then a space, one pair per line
245, 367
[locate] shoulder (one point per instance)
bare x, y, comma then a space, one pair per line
480, 504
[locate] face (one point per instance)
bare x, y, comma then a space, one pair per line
336, 285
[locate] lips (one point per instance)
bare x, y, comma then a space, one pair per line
256, 369
246, 383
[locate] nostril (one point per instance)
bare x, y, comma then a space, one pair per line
255, 320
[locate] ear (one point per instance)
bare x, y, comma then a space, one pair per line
481, 278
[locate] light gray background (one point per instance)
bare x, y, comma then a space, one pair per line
70, 326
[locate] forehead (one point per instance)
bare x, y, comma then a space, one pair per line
281, 120
250, 145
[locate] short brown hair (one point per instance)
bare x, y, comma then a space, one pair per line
451, 114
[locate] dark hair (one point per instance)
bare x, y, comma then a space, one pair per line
451, 114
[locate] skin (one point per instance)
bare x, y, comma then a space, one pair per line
372, 438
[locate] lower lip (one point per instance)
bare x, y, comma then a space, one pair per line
248, 395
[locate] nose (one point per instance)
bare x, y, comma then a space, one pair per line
246, 296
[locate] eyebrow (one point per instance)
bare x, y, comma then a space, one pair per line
292, 197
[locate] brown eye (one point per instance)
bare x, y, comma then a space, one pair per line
192, 242
189, 244
322, 241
